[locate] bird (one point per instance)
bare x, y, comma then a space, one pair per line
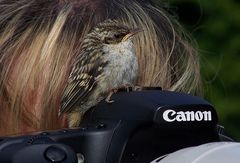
106, 62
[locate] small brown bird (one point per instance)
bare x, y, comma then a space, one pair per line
107, 61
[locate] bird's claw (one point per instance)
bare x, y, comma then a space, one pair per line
127, 88
108, 99
137, 88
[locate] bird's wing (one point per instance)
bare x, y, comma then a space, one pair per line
82, 80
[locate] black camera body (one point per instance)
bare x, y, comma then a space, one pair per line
139, 126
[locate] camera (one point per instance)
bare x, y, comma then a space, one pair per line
140, 126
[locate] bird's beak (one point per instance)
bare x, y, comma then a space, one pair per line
131, 33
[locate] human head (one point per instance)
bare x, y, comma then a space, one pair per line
39, 39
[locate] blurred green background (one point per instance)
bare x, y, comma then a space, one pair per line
215, 24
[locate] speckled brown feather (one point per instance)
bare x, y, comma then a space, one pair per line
87, 68
105, 62
82, 80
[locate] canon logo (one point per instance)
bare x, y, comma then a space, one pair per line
171, 116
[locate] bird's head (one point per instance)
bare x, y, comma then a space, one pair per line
112, 32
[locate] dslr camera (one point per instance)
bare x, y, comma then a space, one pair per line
139, 127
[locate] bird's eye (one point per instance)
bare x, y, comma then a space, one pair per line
117, 36
108, 40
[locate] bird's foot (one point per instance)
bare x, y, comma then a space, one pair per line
128, 88
137, 88
108, 98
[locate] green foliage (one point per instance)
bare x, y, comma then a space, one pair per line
216, 28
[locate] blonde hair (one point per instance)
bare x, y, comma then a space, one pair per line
39, 39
